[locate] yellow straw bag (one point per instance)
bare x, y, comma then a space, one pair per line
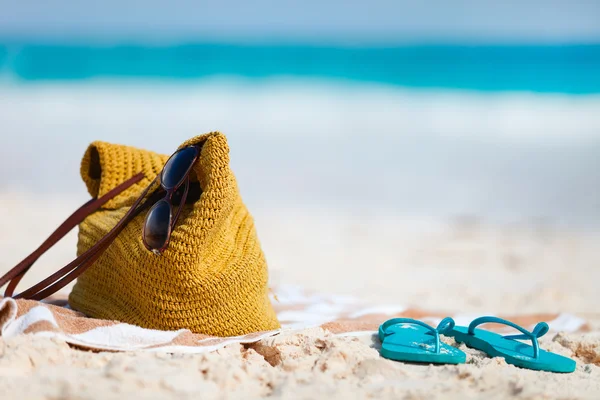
211, 279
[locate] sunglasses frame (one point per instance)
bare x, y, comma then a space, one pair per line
79, 265
168, 198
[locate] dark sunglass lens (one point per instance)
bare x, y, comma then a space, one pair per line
157, 225
178, 165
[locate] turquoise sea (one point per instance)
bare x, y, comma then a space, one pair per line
571, 69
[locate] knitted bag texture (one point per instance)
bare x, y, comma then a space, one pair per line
212, 278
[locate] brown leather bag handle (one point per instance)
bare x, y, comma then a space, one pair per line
65, 275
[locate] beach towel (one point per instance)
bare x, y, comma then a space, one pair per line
296, 308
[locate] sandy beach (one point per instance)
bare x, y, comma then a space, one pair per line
462, 265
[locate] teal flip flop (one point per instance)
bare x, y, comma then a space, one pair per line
514, 352
406, 339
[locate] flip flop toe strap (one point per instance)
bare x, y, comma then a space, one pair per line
540, 330
445, 325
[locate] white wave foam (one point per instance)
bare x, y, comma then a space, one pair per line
295, 107
308, 142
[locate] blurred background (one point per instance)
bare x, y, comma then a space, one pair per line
368, 138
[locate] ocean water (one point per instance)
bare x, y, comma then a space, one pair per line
502, 133
560, 69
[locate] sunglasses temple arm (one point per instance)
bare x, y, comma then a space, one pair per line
182, 202
17, 273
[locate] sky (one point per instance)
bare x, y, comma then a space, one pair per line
538, 21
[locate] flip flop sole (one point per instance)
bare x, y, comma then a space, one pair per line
405, 353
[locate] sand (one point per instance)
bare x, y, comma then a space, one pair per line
311, 364
465, 264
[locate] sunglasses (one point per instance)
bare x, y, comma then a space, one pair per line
158, 225
160, 221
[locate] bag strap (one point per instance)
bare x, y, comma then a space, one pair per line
65, 275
